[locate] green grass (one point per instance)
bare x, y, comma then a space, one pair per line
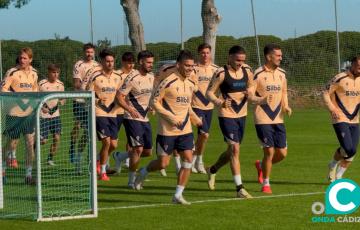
311, 142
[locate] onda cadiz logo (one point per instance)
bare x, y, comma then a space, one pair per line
342, 198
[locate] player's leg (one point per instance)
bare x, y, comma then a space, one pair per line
116, 155
11, 160
228, 128
105, 146
184, 144
265, 134
53, 148
177, 160
134, 133
340, 129
280, 143
348, 148
13, 131
29, 142
235, 158
44, 130
55, 129
164, 149
114, 130
83, 141
120, 157
74, 135
134, 156
202, 138
147, 138
29, 132
266, 167
183, 177
103, 129
198, 143
161, 162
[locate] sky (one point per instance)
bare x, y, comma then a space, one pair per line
42, 19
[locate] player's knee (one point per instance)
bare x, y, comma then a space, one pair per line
204, 136
113, 145
43, 141
56, 139
138, 150
164, 164
106, 142
283, 153
146, 153
348, 152
234, 150
186, 165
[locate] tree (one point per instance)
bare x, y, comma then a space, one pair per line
210, 19
136, 30
105, 43
17, 3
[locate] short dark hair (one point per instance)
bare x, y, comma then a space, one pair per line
203, 46
106, 52
355, 59
184, 55
236, 50
269, 48
144, 54
128, 57
53, 67
88, 46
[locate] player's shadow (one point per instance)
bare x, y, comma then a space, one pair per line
221, 181
120, 201
288, 182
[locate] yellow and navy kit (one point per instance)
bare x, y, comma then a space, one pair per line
272, 83
83, 70
344, 94
52, 105
204, 74
138, 90
172, 101
105, 88
18, 80
232, 85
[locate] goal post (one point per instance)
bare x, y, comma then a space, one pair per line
64, 182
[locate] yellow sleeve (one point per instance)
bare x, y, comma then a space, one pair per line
156, 104
35, 86
213, 87
284, 98
194, 119
330, 89
6, 83
251, 91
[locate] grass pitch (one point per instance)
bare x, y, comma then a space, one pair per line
297, 182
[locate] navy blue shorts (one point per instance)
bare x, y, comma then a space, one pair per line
138, 133
81, 113
15, 126
232, 129
272, 135
205, 116
348, 136
49, 125
106, 127
119, 120
167, 144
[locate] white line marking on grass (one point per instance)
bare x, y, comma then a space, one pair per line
213, 200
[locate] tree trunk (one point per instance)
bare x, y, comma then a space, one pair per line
136, 30
211, 19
